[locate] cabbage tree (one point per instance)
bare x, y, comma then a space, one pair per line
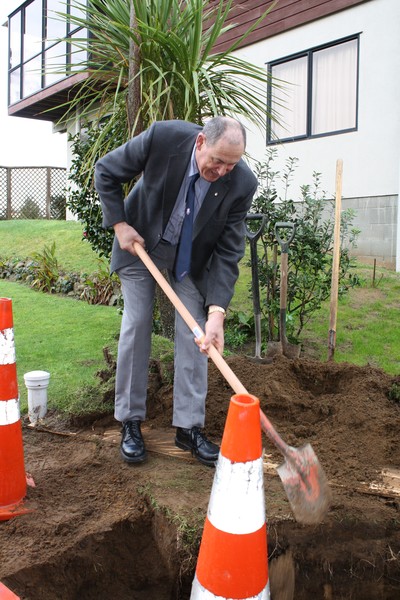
158, 57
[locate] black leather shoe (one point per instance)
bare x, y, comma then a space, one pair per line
201, 448
132, 444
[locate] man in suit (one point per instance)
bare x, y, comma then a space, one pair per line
167, 157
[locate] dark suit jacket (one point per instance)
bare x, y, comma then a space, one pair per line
161, 155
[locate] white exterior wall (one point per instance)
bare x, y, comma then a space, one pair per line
73, 127
371, 155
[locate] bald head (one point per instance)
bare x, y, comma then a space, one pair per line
219, 147
227, 128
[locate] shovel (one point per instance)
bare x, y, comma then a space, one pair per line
284, 347
253, 237
303, 478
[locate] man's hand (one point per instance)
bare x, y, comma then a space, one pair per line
214, 333
127, 236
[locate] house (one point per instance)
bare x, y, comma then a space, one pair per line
339, 63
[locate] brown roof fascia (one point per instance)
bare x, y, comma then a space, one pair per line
285, 15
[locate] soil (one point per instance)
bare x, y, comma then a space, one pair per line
103, 529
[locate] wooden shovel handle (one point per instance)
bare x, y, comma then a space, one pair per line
335, 262
213, 353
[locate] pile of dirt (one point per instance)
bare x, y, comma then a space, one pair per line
344, 411
102, 528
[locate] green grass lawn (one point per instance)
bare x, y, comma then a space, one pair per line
368, 324
62, 336
66, 337
22, 238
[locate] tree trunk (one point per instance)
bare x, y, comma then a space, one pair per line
135, 124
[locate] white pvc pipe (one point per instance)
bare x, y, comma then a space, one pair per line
37, 383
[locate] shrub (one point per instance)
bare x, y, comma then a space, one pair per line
239, 328
58, 207
42, 272
310, 252
82, 198
45, 269
101, 287
30, 210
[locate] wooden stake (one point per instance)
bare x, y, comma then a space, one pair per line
336, 261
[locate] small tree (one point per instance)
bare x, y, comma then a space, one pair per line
164, 51
310, 252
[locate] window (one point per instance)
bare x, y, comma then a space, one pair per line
33, 30
314, 92
55, 26
37, 56
15, 39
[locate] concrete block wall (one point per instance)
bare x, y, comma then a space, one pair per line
377, 218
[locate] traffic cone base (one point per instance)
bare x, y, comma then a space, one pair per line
250, 568
200, 593
6, 593
13, 487
13, 510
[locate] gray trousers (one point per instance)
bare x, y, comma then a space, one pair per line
190, 372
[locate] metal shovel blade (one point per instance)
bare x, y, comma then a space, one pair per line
305, 484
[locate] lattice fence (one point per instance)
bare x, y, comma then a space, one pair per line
32, 193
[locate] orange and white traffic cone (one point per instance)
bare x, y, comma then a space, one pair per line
233, 555
12, 470
7, 594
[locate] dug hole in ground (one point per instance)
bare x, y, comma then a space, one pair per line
103, 529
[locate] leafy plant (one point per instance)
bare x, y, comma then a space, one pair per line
41, 272
45, 269
82, 199
310, 252
28, 271
162, 52
101, 287
239, 329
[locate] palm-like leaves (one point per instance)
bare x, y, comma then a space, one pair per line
176, 74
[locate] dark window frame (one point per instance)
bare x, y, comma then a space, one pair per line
309, 108
69, 66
